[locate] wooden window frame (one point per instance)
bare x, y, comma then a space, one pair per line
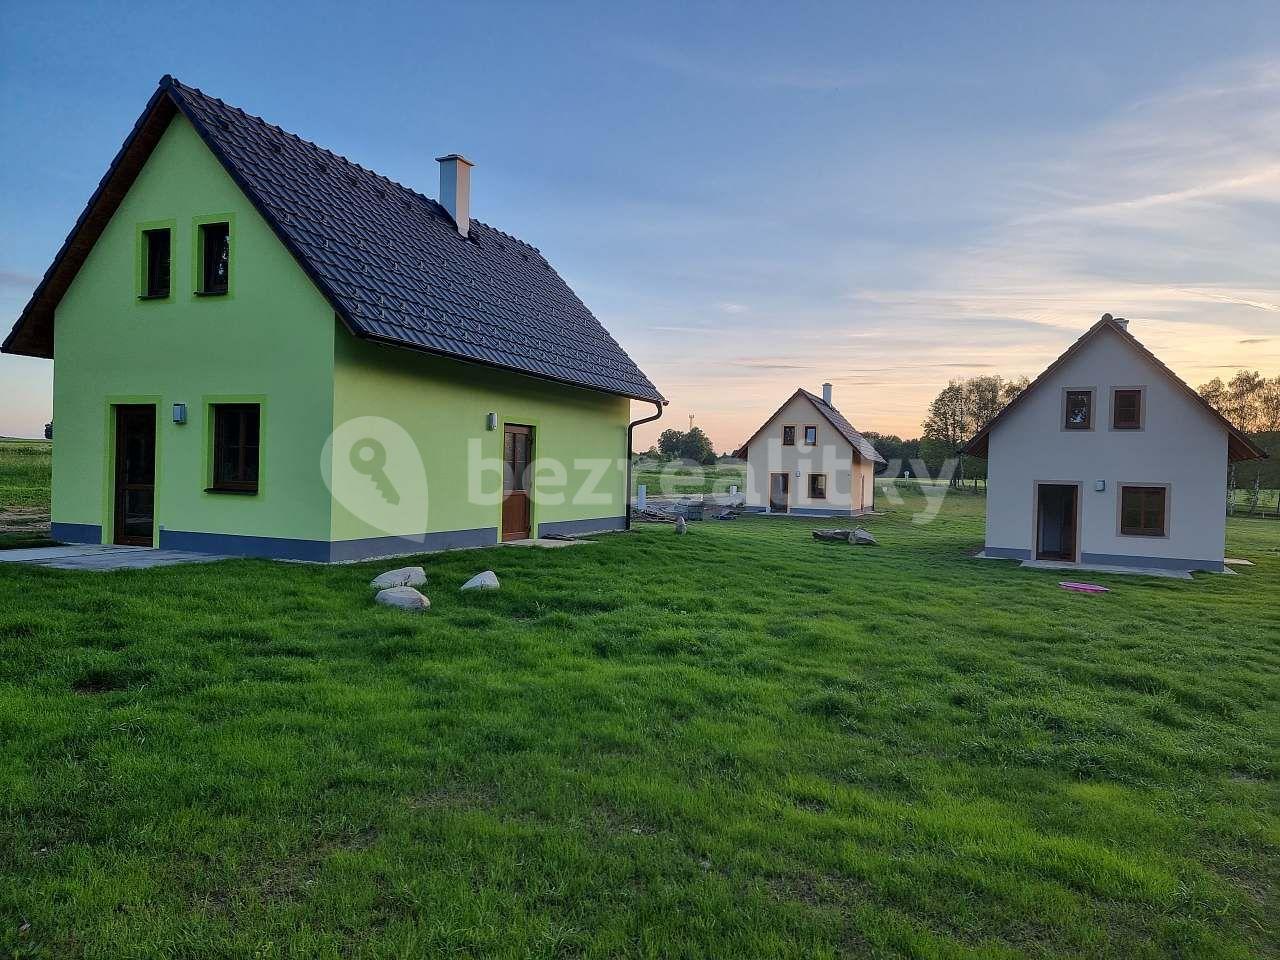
150, 292
1063, 423
142, 260
807, 428
199, 226
1147, 532
823, 494
240, 486
1142, 408
792, 428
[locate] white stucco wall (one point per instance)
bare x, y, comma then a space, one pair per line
850, 483
1180, 444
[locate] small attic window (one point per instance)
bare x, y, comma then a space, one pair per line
215, 259
156, 253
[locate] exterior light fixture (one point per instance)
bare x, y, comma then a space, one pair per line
491, 421
179, 413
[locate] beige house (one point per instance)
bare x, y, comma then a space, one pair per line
807, 459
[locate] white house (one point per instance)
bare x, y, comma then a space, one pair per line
807, 459
1109, 459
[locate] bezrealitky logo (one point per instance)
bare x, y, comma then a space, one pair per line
375, 472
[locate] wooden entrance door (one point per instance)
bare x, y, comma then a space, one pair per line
517, 454
135, 474
1056, 513
779, 489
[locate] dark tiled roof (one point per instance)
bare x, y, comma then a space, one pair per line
863, 446
1239, 444
391, 261
857, 440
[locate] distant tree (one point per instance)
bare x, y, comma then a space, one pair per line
697, 446
687, 445
957, 413
48, 430
671, 442
1249, 400
898, 452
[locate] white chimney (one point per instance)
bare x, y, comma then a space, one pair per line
455, 189
826, 394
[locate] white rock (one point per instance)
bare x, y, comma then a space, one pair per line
861, 536
485, 580
406, 598
401, 577
681, 525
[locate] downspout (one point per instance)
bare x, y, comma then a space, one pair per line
630, 432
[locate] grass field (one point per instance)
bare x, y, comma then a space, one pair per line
24, 492
24, 473
739, 742
674, 478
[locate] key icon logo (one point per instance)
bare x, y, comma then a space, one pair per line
369, 457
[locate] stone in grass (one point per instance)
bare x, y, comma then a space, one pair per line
485, 580
400, 577
681, 524
861, 536
406, 598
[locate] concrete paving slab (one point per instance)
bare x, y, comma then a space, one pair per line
102, 557
1106, 568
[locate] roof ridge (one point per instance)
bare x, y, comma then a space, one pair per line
183, 87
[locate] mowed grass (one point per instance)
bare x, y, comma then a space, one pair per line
24, 473
24, 492
736, 743
674, 478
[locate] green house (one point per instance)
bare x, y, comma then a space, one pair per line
263, 349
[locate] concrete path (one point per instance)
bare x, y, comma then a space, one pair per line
1106, 568
92, 556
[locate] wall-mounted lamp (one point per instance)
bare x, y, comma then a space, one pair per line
179, 413
1099, 485
491, 421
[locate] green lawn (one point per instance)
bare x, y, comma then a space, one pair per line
675, 478
736, 743
24, 473
24, 492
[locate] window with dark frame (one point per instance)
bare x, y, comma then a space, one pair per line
810, 436
788, 436
1143, 511
817, 486
237, 429
1079, 410
156, 250
215, 258
1126, 410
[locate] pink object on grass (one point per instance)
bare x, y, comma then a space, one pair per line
1083, 587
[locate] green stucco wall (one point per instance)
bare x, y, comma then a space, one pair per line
274, 340
443, 404
271, 339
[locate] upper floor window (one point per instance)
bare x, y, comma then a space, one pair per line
237, 432
1126, 409
810, 436
1143, 511
157, 255
215, 258
788, 436
1079, 410
817, 486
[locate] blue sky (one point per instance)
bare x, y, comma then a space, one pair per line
750, 197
